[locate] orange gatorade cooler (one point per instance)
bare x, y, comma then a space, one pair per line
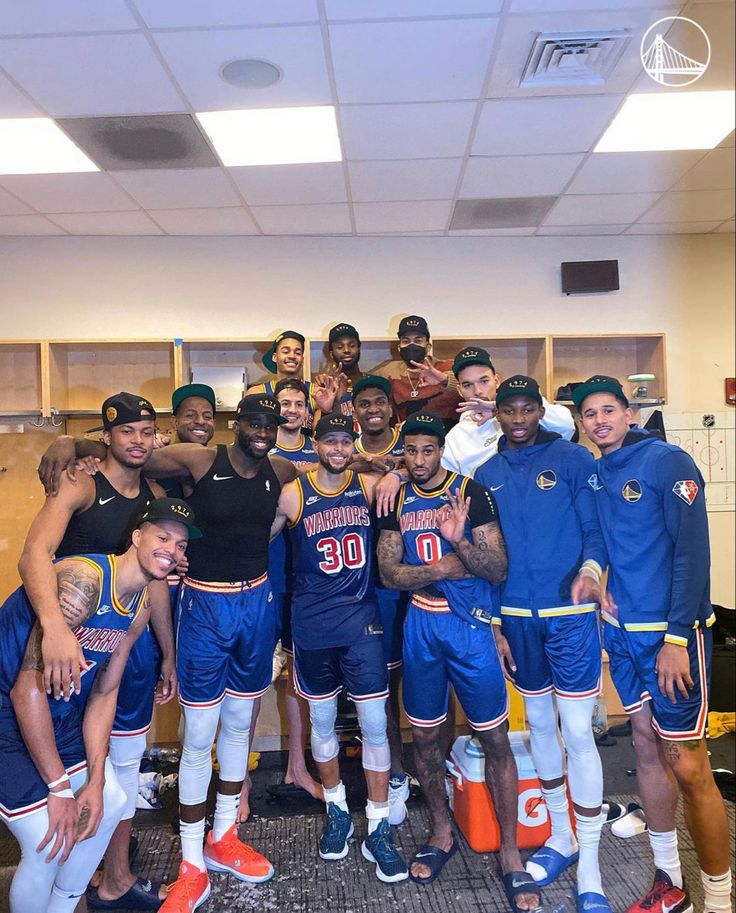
471, 801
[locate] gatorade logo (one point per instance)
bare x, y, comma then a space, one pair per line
532, 811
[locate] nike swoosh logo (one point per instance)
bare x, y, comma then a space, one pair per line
495, 487
422, 855
216, 478
103, 610
102, 503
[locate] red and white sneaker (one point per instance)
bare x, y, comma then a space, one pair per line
229, 854
663, 897
189, 891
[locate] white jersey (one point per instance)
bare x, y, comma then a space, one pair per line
468, 446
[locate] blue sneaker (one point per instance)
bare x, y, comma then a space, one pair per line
333, 844
379, 847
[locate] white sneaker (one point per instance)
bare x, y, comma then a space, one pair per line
398, 793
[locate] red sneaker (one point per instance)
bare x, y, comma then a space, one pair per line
189, 891
663, 897
229, 854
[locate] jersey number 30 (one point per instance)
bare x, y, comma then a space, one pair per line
339, 553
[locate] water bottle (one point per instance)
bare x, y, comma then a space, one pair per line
600, 716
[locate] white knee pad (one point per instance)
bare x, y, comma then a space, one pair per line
125, 756
322, 715
195, 769
541, 714
232, 742
584, 769
372, 720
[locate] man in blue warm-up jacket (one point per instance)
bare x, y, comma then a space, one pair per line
651, 506
545, 490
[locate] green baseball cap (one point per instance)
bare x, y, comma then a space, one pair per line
471, 355
268, 359
424, 423
599, 383
372, 380
187, 390
518, 385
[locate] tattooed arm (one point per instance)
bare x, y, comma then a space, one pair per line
485, 556
398, 576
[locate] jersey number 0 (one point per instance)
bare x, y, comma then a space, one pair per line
340, 553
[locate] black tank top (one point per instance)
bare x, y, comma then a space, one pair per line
106, 524
235, 516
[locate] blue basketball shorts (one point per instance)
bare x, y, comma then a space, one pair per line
556, 653
442, 649
225, 638
320, 674
392, 612
134, 711
633, 659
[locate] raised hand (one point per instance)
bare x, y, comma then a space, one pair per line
452, 519
428, 374
482, 410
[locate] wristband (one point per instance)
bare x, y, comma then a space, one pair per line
395, 472
591, 569
57, 782
64, 794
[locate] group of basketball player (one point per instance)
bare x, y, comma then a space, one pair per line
426, 521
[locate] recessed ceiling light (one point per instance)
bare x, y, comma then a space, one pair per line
657, 121
274, 136
250, 74
35, 145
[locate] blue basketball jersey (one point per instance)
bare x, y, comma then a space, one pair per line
416, 514
332, 563
303, 455
99, 635
395, 447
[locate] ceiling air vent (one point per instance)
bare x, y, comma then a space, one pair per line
573, 58
507, 212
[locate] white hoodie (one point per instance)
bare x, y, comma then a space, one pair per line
468, 446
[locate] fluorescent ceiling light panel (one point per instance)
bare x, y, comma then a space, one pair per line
274, 136
36, 145
670, 120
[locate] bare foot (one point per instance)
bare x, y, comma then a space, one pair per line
303, 779
244, 806
418, 869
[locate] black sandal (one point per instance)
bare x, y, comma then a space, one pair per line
517, 883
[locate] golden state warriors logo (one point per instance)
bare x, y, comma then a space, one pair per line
546, 479
632, 491
111, 413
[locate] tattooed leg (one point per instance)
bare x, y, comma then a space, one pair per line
429, 759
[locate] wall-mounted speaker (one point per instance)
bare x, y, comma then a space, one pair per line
580, 277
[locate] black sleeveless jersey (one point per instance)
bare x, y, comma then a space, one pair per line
106, 524
235, 516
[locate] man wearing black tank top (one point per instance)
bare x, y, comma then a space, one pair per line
91, 515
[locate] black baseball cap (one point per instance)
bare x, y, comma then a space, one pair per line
424, 423
124, 409
291, 383
413, 324
518, 385
334, 421
372, 380
268, 359
184, 392
471, 355
343, 329
599, 383
260, 404
170, 509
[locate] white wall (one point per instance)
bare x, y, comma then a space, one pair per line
219, 287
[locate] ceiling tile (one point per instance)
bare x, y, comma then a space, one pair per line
192, 13
671, 228
632, 172
600, 209
43, 17
544, 6
692, 206
498, 232
543, 125
411, 61
195, 59
106, 223
91, 75
406, 131
326, 219
400, 9
582, 229
518, 175
715, 171
9, 206
92, 192
14, 103
411, 179
431, 215
178, 189
27, 225
226, 221
726, 226
273, 185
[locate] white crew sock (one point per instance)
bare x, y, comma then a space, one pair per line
717, 892
666, 856
336, 795
562, 839
589, 837
192, 839
375, 812
226, 810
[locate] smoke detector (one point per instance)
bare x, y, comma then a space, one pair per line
573, 58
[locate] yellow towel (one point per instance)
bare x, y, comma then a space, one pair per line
720, 723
